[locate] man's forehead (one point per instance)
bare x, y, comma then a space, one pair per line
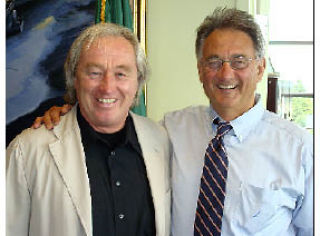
232, 42
110, 41
228, 34
108, 47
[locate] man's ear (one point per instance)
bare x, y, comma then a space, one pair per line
200, 71
261, 68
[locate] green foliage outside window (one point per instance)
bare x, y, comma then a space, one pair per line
301, 107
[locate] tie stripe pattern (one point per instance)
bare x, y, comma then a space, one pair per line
209, 212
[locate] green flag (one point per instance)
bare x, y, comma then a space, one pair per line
119, 12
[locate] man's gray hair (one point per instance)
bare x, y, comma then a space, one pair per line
89, 35
224, 18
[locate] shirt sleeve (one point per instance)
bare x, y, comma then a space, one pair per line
303, 215
17, 192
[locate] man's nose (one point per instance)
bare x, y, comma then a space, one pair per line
107, 84
226, 70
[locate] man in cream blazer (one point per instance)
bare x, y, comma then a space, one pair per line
48, 187
48, 191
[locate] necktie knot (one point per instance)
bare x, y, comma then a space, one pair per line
223, 127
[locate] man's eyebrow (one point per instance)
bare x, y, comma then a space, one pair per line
94, 65
118, 67
238, 56
212, 57
124, 67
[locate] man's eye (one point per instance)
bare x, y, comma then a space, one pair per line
214, 64
121, 75
95, 74
239, 61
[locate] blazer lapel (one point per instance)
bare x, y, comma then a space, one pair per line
154, 162
69, 157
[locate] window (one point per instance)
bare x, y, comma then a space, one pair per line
291, 55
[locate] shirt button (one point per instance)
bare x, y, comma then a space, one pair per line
118, 183
121, 216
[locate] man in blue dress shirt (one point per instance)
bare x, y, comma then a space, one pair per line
269, 188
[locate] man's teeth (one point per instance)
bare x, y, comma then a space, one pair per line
226, 86
107, 100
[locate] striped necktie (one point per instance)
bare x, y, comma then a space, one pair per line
208, 219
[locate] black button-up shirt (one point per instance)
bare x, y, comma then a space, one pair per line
120, 192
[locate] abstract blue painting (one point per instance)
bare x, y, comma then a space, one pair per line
38, 36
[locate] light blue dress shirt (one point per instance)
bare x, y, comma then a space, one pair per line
269, 189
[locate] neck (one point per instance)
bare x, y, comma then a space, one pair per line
229, 114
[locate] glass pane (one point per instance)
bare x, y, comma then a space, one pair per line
294, 63
291, 20
295, 66
299, 110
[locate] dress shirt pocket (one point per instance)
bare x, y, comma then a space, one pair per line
263, 207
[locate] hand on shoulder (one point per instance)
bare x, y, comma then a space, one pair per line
51, 117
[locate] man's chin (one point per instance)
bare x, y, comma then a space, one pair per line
225, 104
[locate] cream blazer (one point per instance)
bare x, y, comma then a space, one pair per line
47, 187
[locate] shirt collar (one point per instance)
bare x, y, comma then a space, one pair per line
245, 123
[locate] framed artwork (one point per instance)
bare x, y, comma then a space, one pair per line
35, 54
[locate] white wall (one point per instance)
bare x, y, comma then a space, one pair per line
170, 29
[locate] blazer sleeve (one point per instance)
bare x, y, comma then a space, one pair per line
17, 191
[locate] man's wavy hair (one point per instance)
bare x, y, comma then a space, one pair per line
224, 18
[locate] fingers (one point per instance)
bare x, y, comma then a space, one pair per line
51, 117
37, 123
47, 120
65, 108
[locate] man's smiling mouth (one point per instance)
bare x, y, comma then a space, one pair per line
231, 86
107, 100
